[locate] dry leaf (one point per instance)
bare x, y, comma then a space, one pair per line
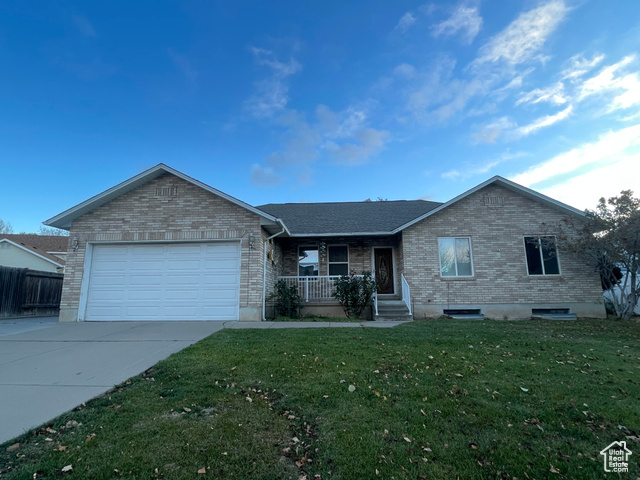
90, 437
202, 470
352, 388
406, 439
67, 468
553, 469
524, 389
13, 448
61, 448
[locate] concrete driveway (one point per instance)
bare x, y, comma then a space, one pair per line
48, 368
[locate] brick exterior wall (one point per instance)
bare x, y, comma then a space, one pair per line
168, 209
500, 286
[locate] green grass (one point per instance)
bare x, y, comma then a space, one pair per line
318, 318
434, 400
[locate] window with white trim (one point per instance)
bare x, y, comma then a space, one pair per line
308, 261
541, 255
455, 257
338, 260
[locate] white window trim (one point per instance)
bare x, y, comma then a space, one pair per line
308, 247
473, 271
526, 260
329, 262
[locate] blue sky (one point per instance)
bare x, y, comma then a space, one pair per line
318, 101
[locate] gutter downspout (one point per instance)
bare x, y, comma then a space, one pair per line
264, 270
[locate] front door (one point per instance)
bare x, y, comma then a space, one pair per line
383, 261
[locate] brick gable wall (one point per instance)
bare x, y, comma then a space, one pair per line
168, 209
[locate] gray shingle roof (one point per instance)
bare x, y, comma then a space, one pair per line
350, 218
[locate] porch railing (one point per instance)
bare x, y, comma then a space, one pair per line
313, 288
406, 293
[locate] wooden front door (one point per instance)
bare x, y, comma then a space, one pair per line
383, 260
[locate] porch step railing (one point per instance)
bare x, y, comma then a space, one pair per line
313, 288
406, 293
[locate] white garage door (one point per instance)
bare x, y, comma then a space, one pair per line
179, 281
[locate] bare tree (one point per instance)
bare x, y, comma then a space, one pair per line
5, 227
610, 239
52, 231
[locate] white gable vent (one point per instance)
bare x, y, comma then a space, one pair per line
171, 191
494, 200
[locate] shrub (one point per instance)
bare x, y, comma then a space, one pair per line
287, 300
354, 293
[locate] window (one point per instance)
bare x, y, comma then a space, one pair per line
308, 261
338, 260
455, 257
542, 256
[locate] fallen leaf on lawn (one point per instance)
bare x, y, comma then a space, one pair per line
233, 368
352, 388
315, 359
61, 448
67, 468
13, 448
202, 470
427, 449
225, 453
458, 374
406, 439
422, 412
48, 439
249, 399
524, 389
90, 437
186, 409
50, 430
473, 446
554, 469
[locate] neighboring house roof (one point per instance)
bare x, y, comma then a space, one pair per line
46, 243
64, 219
35, 251
347, 218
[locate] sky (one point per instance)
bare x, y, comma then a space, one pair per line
317, 101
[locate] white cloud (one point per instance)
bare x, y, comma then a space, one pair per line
479, 169
83, 25
490, 132
264, 176
525, 36
341, 137
183, 65
542, 122
272, 93
609, 147
580, 66
584, 191
609, 80
368, 143
554, 94
406, 21
405, 70
464, 20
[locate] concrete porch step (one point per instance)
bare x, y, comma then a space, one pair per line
392, 308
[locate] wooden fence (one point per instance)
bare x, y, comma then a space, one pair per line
25, 292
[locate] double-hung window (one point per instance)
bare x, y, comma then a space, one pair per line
542, 255
338, 260
455, 257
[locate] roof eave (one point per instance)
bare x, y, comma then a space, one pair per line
64, 219
505, 183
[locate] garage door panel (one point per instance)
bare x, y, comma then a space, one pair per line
164, 282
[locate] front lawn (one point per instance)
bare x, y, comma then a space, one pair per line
427, 400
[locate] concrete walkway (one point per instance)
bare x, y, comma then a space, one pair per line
48, 368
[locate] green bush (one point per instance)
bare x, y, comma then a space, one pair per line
287, 300
354, 293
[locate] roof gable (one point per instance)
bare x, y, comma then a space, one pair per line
35, 251
509, 185
64, 219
